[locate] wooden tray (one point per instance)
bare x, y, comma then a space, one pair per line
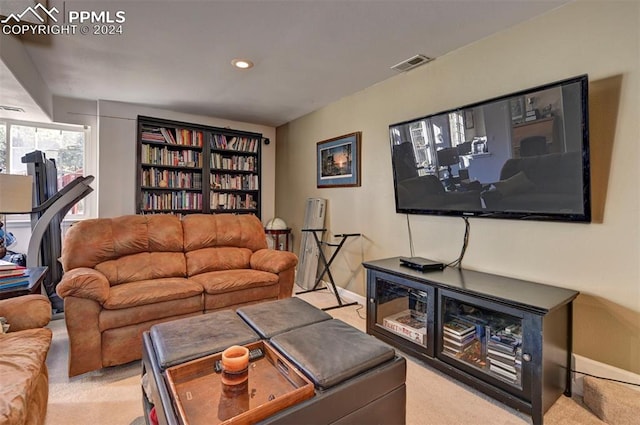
274, 384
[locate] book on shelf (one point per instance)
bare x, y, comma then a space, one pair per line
12, 282
405, 324
511, 376
7, 265
500, 354
511, 367
19, 271
459, 327
504, 341
459, 342
152, 134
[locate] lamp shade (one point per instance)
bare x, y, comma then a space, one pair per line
15, 193
276, 224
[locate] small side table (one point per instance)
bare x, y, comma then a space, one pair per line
275, 235
36, 277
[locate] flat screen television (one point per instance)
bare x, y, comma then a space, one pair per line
523, 155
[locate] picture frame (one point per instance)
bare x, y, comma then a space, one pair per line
338, 161
517, 109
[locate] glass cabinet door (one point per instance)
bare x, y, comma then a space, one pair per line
405, 312
486, 341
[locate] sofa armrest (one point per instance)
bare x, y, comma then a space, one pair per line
271, 260
84, 282
26, 312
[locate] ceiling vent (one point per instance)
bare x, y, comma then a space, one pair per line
11, 108
411, 63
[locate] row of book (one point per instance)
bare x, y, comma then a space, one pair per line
172, 201
458, 336
229, 201
154, 177
235, 162
177, 158
234, 182
12, 275
504, 352
173, 136
243, 144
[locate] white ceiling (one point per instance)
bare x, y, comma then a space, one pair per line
176, 55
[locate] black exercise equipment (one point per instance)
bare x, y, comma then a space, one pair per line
49, 208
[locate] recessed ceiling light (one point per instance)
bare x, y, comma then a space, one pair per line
242, 63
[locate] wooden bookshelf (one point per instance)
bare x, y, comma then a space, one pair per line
185, 168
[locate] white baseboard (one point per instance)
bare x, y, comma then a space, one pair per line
347, 295
592, 367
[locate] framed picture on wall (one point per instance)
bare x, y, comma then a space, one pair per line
517, 109
338, 161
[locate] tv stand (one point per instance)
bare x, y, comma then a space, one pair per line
508, 338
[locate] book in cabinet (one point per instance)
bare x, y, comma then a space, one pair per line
185, 168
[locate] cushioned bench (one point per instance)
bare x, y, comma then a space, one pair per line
357, 378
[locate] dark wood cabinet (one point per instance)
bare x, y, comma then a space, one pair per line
508, 338
187, 168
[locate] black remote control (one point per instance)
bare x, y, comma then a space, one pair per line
255, 354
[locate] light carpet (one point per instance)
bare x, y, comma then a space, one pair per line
112, 396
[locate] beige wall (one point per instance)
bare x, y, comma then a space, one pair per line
599, 259
117, 154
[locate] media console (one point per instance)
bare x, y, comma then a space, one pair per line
508, 338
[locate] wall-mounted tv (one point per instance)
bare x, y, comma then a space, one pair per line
520, 156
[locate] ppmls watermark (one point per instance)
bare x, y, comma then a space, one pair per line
84, 22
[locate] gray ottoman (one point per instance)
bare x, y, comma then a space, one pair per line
275, 317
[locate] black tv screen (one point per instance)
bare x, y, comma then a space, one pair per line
521, 156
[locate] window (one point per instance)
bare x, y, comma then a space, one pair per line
456, 124
423, 149
66, 144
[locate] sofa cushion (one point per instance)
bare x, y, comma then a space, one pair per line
213, 259
165, 310
232, 280
22, 368
143, 266
151, 291
90, 242
207, 231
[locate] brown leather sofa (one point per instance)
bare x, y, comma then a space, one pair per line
125, 274
24, 379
